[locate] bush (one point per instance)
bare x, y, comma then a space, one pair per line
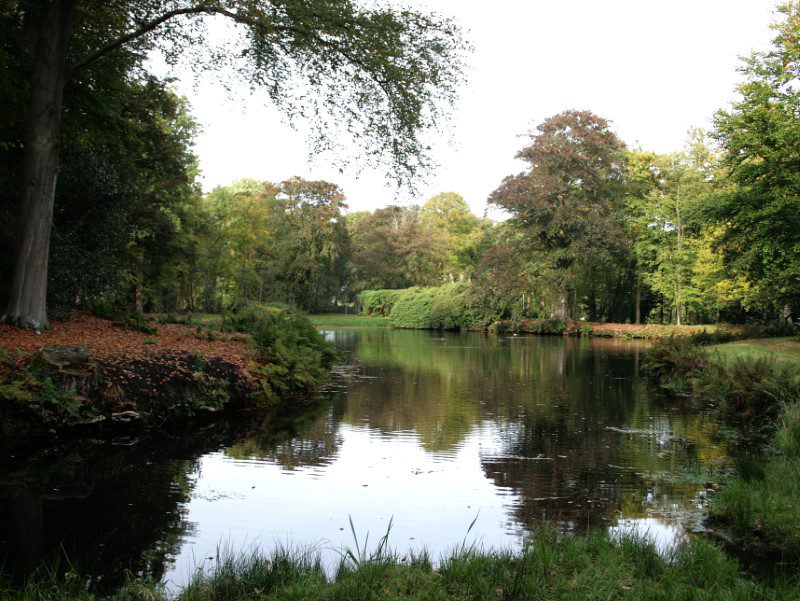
719, 336
293, 355
122, 317
749, 395
447, 307
674, 360
378, 302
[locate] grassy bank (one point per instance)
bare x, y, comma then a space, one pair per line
551, 566
784, 349
91, 373
754, 388
338, 320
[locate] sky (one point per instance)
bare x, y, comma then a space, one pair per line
654, 69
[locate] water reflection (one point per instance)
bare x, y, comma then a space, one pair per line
429, 429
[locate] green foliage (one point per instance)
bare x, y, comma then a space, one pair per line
394, 247
293, 357
674, 360
378, 302
447, 307
760, 138
34, 388
282, 242
550, 566
123, 317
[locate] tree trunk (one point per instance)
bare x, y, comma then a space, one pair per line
638, 320
28, 302
560, 304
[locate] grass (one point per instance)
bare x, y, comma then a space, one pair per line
754, 387
338, 320
781, 349
551, 566
760, 506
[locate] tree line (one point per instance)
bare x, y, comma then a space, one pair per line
595, 229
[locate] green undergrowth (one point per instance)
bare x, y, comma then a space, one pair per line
292, 355
379, 303
551, 566
31, 385
756, 399
446, 307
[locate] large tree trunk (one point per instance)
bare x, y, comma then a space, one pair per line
28, 303
638, 317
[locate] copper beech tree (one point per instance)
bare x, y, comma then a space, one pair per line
565, 202
384, 76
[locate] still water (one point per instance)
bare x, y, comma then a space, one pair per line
432, 431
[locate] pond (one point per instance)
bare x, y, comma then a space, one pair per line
434, 432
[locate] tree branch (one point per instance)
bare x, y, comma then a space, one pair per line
212, 9
146, 28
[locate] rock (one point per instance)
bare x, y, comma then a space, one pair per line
125, 417
71, 367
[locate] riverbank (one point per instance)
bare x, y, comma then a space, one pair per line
551, 566
784, 349
339, 320
90, 373
754, 389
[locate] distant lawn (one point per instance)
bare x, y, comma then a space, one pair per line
338, 320
781, 349
205, 319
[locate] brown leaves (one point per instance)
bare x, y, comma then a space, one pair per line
115, 346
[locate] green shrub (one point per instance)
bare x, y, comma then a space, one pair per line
674, 360
452, 308
749, 395
413, 308
718, 336
378, 302
446, 307
293, 356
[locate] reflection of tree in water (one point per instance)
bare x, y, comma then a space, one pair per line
112, 508
310, 440
560, 457
553, 398
97, 507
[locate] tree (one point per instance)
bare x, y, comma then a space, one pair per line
394, 247
382, 74
760, 138
566, 201
462, 233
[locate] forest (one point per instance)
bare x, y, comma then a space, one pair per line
596, 229
258, 361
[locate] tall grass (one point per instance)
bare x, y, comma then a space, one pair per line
757, 401
550, 566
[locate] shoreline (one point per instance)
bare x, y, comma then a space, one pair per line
91, 375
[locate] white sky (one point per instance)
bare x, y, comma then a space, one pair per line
654, 69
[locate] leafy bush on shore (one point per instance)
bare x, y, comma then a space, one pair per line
446, 307
378, 302
293, 356
675, 360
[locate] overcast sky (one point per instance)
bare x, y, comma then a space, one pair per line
654, 69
